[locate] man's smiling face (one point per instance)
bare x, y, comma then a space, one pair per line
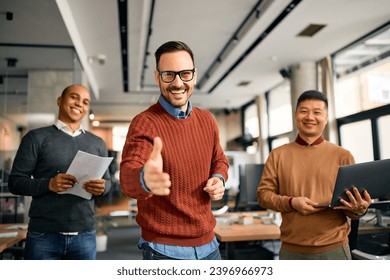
176, 92
73, 104
311, 118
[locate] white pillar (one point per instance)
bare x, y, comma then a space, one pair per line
303, 77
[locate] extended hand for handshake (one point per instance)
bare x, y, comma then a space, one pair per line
159, 182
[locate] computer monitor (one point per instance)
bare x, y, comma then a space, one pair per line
250, 176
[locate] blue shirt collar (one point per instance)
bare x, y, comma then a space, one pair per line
174, 111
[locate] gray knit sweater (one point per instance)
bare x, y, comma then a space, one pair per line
42, 154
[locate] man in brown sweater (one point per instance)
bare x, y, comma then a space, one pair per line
174, 165
301, 175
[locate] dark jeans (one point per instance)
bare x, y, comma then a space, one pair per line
56, 246
150, 254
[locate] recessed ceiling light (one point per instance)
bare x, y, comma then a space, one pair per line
311, 30
243, 83
273, 58
99, 58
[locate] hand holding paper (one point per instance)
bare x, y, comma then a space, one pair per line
88, 170
61, 182
95, 187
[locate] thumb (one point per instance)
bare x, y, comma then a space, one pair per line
157, 147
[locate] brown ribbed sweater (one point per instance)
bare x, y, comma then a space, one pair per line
191, 154
294, 170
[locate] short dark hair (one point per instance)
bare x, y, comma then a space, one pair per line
312, 94
172, 46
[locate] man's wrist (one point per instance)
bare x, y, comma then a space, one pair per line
290, 203
221, 178
141, 179
359, 215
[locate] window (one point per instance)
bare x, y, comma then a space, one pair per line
252, 120
384, 136
280, 110
364, 90
119, 137
279, 142
358, 143
363, 74
362, 96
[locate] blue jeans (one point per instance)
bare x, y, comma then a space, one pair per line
56, 246
150, 254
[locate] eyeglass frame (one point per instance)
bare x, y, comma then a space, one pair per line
177, 73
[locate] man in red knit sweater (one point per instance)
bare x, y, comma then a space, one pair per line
174, 165
301, 175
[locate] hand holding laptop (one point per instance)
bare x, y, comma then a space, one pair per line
358, 202
306, 206
356, 181
354, 201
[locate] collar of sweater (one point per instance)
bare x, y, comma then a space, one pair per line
302, 142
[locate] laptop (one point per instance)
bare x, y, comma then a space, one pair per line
374, 176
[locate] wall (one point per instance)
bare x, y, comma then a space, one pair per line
105, 133
229, 126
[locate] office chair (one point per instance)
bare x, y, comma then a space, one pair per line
357, 250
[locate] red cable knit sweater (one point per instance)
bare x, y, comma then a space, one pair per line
191, 154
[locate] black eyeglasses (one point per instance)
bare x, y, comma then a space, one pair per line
170, 76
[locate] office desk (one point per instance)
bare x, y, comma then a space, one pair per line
372, 229
240, 232
232, 232
7, 242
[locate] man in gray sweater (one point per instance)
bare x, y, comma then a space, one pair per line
61, 226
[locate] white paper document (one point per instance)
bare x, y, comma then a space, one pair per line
85, 167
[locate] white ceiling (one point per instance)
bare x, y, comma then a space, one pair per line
92, 27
